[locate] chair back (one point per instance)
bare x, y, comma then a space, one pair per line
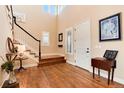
110, 54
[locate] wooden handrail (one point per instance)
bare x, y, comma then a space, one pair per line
14, 22
24, 29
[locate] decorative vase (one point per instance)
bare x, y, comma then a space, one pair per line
12, 77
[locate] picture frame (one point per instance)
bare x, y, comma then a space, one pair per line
60, 37
110, 54
110, 28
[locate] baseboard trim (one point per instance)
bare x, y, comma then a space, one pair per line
116, 79
30, 65
27, 65
72, 63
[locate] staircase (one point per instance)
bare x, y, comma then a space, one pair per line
45, 60
33, 45
51, 60
28, 52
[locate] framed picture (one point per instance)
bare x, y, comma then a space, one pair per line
60, 37
110, 28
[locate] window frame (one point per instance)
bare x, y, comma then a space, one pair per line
71, 41
43, 35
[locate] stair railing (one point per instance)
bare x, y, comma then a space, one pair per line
14, 22
30, 36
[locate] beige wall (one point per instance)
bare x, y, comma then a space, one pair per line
73, 15
4, 33
36, 22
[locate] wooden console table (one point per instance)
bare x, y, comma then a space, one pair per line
104, 64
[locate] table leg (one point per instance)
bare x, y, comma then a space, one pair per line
20, 63
93, 72
21, 67
108, 77
112, 74
98, 72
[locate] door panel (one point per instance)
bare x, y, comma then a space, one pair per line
82, 45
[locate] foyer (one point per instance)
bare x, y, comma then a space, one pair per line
59, 43
61, 75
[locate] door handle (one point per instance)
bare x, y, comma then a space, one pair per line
87, 51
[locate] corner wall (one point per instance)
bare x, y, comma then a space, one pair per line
73, 15
38, 21
5, 31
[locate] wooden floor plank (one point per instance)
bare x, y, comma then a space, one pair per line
61, 76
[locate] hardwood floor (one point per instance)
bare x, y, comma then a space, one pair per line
61, 76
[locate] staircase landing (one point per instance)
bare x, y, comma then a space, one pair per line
51, 60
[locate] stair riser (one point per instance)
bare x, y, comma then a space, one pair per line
32, 53
51, 60
51, 63
28, 51
61, 58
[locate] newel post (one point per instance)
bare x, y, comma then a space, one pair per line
39, 50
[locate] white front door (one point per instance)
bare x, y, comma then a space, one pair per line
82, 45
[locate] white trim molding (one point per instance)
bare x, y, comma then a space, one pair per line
116, 79
30, 65
72, 63
119, 80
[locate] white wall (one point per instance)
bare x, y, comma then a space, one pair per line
75, 14
4, 33
37, 21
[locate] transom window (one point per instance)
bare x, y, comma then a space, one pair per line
53, 9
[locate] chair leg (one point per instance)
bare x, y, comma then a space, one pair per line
98, 72
108, 77
112, 74
21, 67
93, 72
